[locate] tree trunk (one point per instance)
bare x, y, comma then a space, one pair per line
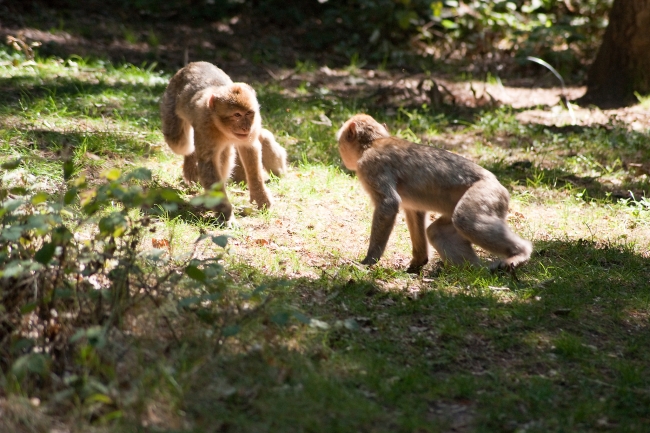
622, 65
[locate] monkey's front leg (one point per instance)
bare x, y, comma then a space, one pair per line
251, 159
383, 220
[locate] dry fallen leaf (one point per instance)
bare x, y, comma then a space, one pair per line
160, 243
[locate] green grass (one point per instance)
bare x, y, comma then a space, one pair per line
563, 346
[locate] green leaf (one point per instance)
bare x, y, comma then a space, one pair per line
100, 398
12, 165
31, 363
77, 335
95, 335
28, 308
195, 273
140, 173
12, 205
40, 197
63, 293
116, 414
169, 194
448, 24
45, 254
12, 233
436, 9
112, 174
70, 195
62, 235
221, 240
113, 224
68, 169
209, 199
37, 222
231, 330
301, 317
186, 302
201, 237
22, 344
154, 254
212, 296
280, 318
18, 190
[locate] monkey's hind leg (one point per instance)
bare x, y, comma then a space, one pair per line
274, 156
416, 220
208, 169
451, 246
274, 159
238, 174
488, 228
492, 234
190, 168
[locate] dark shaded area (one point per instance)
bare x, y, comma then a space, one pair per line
464, 349
258, 33
593, 188
240, 33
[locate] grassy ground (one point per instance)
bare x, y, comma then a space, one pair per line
335, 346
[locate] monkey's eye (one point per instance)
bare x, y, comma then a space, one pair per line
237, 115
250, 113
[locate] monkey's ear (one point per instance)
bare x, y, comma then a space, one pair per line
351, 134
212, 101
386, 127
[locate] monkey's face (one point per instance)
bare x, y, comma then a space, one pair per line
240, 123
237, 112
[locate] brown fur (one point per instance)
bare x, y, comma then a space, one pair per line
472, 204
274, 159
204, 115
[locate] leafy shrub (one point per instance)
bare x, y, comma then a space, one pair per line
75, 276
380, 29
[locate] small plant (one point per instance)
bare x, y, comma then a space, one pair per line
644, 101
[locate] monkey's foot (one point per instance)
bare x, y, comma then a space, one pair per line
224, 212
502, 266
369, 261
262, 199
416, 266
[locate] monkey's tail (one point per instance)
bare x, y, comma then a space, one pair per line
178, 133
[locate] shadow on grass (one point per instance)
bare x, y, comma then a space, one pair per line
525, 173
566, 351
68, 97
103, 143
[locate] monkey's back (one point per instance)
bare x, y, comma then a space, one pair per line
194, 78
423, 176
183, 100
